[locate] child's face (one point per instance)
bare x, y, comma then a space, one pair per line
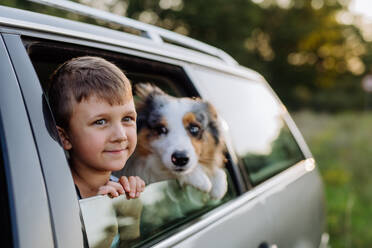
101, 136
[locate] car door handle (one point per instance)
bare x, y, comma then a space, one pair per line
266, 245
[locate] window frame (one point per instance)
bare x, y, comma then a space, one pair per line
191, 90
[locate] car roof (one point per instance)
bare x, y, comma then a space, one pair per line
153, 39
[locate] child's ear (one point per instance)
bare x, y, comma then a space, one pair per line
66, 144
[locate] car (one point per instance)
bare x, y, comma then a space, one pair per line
275, 194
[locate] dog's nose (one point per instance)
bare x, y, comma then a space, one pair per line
180, 158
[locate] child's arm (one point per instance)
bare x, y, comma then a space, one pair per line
133, 186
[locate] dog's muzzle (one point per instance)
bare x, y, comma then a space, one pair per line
180, 158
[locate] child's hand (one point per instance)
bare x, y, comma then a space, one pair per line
132, 186
113, 189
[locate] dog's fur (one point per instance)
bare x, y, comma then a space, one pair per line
178, 138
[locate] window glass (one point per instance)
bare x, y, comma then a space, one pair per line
162, 207
259, 134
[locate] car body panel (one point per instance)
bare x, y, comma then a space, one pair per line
295, 210
215, 227
29, 208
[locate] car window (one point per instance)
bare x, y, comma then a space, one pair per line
164, 206
259, 133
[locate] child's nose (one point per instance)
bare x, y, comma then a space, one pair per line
119, 133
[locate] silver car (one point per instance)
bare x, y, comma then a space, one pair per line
275, 195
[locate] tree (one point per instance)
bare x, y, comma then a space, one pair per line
310, 58
302, 47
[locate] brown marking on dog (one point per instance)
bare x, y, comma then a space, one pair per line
144, 138
212, 155
190, 118
220, 148
198, 145
209, 151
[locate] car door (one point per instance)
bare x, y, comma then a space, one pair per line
271, 152
64, 209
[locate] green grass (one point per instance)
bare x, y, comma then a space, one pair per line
342, 146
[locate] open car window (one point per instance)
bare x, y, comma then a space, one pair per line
165, 206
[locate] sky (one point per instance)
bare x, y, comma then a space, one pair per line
363, 7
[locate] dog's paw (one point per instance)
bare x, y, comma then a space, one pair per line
204, 185
218, 191
219, 181
197, 179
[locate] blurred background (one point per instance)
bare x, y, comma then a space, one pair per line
317, 56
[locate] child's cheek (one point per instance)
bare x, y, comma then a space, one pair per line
94, 141
133, 139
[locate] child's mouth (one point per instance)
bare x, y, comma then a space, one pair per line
116, 151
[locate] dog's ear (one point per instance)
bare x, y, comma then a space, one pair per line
211, 111
144, 99
144, 90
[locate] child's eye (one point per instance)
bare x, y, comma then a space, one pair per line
128, 118
100, 122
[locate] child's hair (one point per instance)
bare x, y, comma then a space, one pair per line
82, 77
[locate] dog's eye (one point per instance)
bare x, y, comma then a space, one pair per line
194, 130
161, 130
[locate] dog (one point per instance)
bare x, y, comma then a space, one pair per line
178, 138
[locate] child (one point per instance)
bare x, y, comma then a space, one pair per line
93, 107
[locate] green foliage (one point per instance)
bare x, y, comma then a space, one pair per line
310, 59
342, 147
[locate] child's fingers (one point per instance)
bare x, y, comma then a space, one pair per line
117, 186
140, 186
125, 183
108, 190
133, 187
143, 184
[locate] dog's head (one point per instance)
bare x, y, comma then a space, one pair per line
180, 131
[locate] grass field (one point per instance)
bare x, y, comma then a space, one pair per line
342, 147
